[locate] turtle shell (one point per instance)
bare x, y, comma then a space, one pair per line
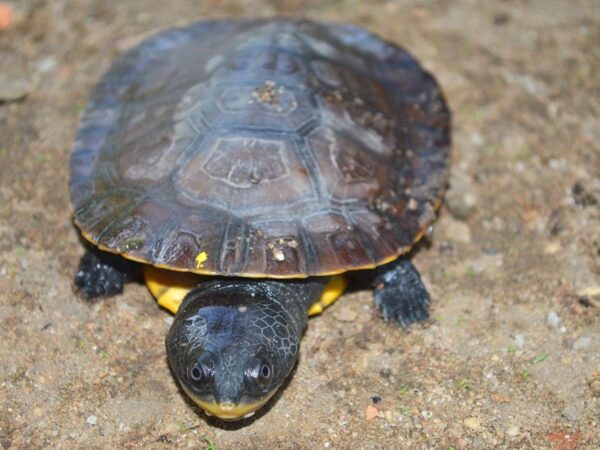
259, 148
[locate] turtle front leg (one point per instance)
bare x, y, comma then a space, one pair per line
400, 293
102, 274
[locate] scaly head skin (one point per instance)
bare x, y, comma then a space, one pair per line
231, 346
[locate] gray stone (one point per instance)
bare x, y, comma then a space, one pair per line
454, 230
92, 420
46, 64
513, 430
582, 343
15, 82
519, 341
552, 320
572, 412
460, 198
474, 423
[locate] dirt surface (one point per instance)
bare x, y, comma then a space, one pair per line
511, 357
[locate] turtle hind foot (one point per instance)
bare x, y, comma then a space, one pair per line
400, 293
101, 274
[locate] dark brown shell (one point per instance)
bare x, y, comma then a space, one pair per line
261, 148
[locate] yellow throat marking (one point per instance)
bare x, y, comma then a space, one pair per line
170, 287
232, 412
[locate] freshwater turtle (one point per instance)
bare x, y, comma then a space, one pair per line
245, 165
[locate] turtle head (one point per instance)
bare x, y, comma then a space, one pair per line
231, 347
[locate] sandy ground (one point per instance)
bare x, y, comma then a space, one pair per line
511, 357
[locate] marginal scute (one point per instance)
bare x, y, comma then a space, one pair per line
282, 251
102, 213
348, 249
179, 247
283, 148
185, 235
127, 236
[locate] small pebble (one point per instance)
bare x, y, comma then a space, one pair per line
589, 291
519, 341
46, 64
572, 412
499, 398
454, 230
513, 431
92, 420
6, 16
552, 248
168, 428
460, 199
501, 18
346, 314
552, 320
473, 423
425, 414
371, 412
477, 139
15, 82
582, 342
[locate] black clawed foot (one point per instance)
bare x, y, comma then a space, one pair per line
400, 293
100, 274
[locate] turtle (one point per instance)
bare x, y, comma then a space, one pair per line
246, 168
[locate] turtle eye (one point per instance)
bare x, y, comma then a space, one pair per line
260, 374
196, 372
265, 372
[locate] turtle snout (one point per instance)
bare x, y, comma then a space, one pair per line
228, 385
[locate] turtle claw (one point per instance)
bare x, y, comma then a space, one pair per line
100, 275
400, 294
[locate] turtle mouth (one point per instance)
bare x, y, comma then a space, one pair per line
229, 410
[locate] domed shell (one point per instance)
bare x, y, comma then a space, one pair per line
261, 149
